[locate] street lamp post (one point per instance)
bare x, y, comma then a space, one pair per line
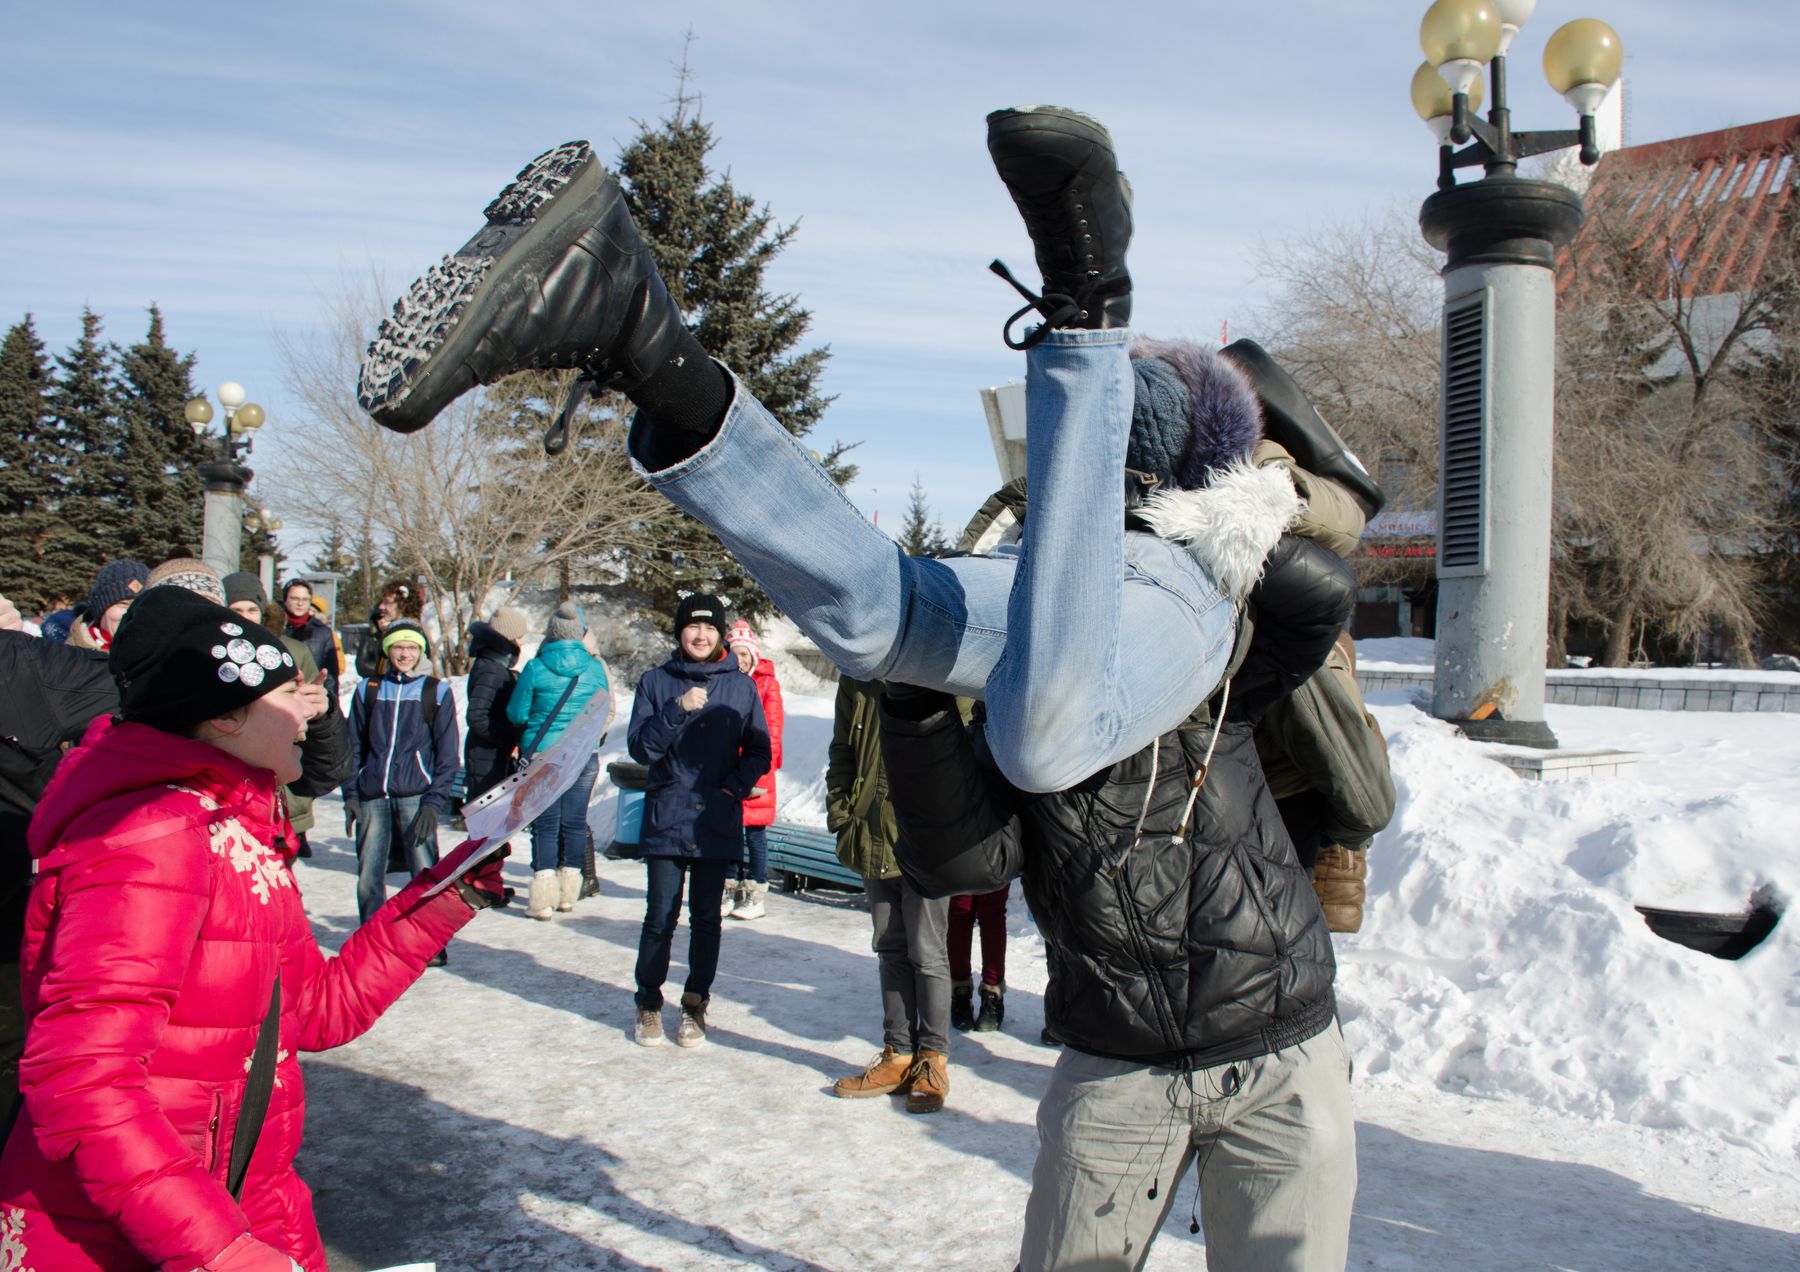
226, 475
262, 542
1500, 236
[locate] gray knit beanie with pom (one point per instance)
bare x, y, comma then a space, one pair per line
566, 624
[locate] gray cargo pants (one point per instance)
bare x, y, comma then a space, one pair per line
915, 965
1277, 1150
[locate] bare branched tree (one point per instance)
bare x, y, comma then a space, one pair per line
1357, 325
472, 502
1675, 435
1669, 486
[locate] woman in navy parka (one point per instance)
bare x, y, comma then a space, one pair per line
697, 724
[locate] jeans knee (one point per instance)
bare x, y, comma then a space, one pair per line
1040, 760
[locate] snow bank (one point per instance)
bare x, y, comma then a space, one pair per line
1500, 955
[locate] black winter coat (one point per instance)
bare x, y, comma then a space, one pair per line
1189, 953
487, 751
49, 694
316, 636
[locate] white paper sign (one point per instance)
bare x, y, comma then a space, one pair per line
522, 798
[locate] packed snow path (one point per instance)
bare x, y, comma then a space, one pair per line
501, 1118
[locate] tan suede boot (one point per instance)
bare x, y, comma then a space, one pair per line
930, 1082
1338, 880
886, 1074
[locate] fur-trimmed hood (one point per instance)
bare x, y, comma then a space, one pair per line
1192, 415
1229, 525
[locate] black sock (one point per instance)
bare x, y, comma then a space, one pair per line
684, 401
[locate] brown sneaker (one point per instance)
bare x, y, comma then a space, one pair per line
930, 1082
886, 1074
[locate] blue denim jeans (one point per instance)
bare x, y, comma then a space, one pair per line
1086, 643
755, 865
663, 878
559, 835
381, 822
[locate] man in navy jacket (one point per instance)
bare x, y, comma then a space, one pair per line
697, 723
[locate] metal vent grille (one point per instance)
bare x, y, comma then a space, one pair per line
1462, 521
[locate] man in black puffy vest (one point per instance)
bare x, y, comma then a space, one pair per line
1192, 982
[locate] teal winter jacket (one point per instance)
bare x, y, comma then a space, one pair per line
542, 683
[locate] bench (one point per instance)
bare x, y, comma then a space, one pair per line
806, 857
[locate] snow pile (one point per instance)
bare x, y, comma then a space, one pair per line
1501, 956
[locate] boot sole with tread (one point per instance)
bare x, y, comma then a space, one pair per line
417, 363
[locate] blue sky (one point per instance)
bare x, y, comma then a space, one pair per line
237, 164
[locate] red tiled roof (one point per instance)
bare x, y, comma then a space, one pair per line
1670, 193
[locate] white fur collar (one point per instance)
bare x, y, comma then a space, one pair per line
1229, 525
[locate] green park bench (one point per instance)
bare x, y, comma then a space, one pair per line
807, 857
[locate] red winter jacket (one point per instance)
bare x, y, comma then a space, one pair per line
759, 810
154, 932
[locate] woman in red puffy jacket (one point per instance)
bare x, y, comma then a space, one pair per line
163, 926
746, 900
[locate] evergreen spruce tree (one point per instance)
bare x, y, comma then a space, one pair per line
920, 535
85, 402
160, 491
712, 244
28, 478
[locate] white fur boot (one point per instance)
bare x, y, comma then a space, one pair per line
728, 900
568, 883
750, 900
541, 902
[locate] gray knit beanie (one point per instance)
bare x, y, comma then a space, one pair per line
566, 624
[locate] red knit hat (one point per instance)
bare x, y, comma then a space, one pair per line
741, 637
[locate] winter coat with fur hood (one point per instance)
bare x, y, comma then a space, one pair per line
1171, 944
487, 751
159, 921
1196, 952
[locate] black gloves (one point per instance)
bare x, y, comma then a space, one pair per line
424, 825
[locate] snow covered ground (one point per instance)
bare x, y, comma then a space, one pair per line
1542, 1083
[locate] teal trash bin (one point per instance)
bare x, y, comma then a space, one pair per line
631, 779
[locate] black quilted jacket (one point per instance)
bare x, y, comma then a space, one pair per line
1168, 953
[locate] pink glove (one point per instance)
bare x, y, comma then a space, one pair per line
247, 1254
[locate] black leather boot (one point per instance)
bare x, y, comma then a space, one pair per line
1059, 167
993, 1008
962, 1005
1292, 421
557, 278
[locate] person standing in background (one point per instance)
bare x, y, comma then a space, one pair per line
908, 926
305, 626
403, 740
989, 910
551, 692
747, 899
115, 587
492, 743
697, 725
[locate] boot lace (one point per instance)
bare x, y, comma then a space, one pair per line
1057, 308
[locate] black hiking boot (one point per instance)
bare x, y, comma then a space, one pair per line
557, 278
1059, 167
993, 1008
962, 1005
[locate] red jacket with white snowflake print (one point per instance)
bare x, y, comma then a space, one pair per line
160, 917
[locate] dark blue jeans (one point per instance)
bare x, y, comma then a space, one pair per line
382, 822
559, 835
662, 909
756, 855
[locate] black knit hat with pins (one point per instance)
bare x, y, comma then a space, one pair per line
179, 659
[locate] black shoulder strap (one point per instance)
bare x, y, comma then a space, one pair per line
257, 1090
428, 699
371, 691
550, 719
